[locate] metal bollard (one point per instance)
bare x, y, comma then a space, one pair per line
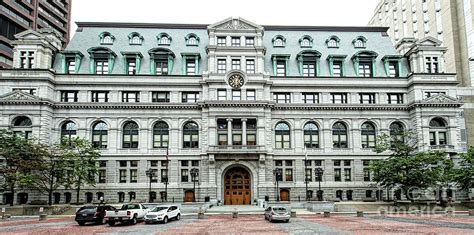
43, 217
383, 213
471, 212
360, 214
293, 214
235, 214
449, 212
327, 214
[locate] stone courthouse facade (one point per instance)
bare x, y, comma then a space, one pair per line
241, 105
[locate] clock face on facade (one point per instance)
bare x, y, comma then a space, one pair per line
236, 81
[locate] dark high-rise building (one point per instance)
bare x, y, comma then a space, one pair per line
18, 15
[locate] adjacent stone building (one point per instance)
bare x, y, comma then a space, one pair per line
232, 111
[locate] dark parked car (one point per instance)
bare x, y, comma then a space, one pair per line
93, 214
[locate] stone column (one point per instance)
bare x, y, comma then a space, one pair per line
229, 131
244, 131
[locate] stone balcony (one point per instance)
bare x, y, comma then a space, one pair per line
446, 148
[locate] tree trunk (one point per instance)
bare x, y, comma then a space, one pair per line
12, 191
78, 189
50, 191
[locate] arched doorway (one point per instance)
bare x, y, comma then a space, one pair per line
188, 196
284, 195
237, 187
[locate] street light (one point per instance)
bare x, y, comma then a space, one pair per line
319, 174
150, 173
306, 174
277, 172
194, 175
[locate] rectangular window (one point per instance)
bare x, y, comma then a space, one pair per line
222, 138
251, 139
27, 59
311, 98
123, 163
131, 66
69, 96
190, 67
235, 64
395, 98
337, 69
221, 66
251, 95
130, 96
236, 94
249, 41
347, 174
309, 69
102, 176
288, 174
339, 98
235, 41
365, 69
337, 174
123, 176
184, 175
281, 68
190, 97
366, 174
236, 139
393, 69
221, 41
367, 98
164, 175
71, 65
101, 66
161, 67
133, 176
100, 96
160, 96
221, 94
432, 65
250, 66
282, 97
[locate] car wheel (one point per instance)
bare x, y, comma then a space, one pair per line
178, 217
134, 219
286, 221
165, 220
111, 223
81, 223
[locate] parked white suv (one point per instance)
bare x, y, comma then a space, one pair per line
163, 214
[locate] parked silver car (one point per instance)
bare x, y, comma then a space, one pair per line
277, 213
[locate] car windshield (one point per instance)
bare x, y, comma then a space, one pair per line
87, 210
279, 209
159, 208
130, 207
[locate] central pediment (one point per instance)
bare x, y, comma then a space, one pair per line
235, 24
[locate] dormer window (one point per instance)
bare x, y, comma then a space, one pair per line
164, 39
102, 60
135, 39
308, 63
72, 61
432, 65
192, 40
364, 63
306, 41
279, 41
106, 38
333, 42
359, 42
392, 65
27, 59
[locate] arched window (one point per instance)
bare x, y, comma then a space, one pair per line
339, 135
68, 131
282, 135
192, 39
190, 135
135, 39
99, 135
311, 135
279, 41
22, 127
160, 135
164, 39
368, 135
333, 42
130, 135
396, 129
106, 38
438, 132
359, 42
306, 41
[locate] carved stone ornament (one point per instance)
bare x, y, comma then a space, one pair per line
235, 24
18, 95
441, 98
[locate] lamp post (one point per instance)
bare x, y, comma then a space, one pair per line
319, 174
150, 174
277, 172
194, 175
306, 174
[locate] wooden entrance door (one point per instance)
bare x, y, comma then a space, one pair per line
284, 195
237, 186
188, 196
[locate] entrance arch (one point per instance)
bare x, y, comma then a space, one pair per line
237, 187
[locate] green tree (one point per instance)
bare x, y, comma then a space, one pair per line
406, 167
464, 174
82, 165
22, 157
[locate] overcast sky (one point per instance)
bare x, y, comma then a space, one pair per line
263, 12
